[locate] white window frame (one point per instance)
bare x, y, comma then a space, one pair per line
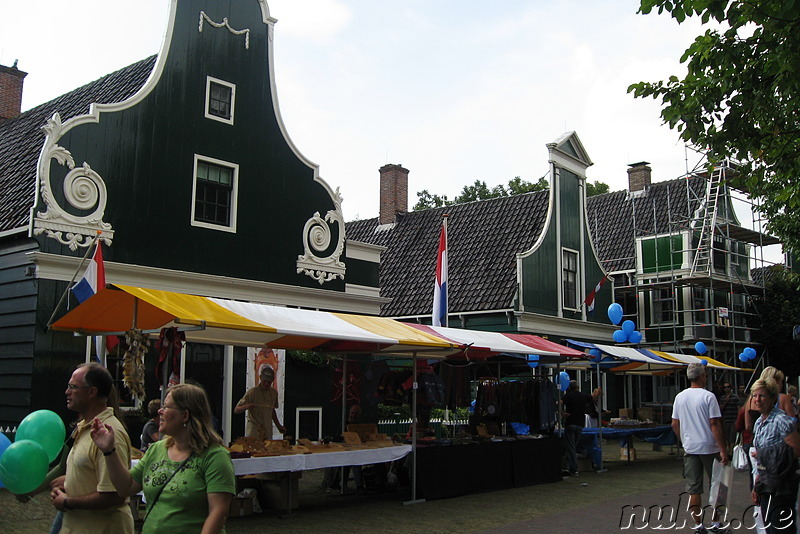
574, 306
309, 409
656, 311
700, 296
234, 194
208, 114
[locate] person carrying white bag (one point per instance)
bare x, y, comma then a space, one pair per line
777, 445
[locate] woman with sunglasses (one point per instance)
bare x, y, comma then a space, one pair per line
187, 478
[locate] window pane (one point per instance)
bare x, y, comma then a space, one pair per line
219, 100
225, 176
213, 193
569, 279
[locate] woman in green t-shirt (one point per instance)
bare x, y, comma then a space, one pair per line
187, 478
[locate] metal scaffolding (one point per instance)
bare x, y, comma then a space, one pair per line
704, 288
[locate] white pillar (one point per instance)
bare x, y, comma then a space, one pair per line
227, 393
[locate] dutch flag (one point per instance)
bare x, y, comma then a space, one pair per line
94, 278
440, 288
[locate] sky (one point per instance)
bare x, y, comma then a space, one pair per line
455, 91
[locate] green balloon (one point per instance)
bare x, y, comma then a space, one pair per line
45, 428
23, 466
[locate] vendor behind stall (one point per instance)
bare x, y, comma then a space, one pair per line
260, 402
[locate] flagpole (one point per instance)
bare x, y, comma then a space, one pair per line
447, 285
69, 285
439, 315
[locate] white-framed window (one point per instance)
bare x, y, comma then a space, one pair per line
220, 100
700, 305
663, 305
309, 423
569, 278
214, 193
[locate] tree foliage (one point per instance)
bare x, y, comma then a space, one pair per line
740, 97
777, 312
596, 188
480, 191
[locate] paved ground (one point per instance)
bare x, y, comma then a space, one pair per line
591, 503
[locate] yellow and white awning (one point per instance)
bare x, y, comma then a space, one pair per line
119, 308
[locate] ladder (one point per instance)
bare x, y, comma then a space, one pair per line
703, 259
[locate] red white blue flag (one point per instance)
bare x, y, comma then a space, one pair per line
94, 278
590, 298
440, 288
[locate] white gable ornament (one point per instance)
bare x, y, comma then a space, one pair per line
83, 189
224, 24
317, 238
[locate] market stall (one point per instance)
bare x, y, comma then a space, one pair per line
118, 308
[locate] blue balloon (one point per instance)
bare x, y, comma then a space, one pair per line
620, 336
533, 360
703, 361
615, 313
596, 355
563, 380
4, 444
635, 337
751, 352
743, 357
700, 347
628, 326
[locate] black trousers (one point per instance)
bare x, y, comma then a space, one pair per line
779, 513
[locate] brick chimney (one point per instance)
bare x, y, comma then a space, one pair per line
11, 79
639, 176
394, 192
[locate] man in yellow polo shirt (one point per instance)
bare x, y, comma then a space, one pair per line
88, 498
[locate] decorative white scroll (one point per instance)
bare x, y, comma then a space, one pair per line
83, 189
224, 24
317, 237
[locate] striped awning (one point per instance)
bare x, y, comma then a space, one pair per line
646, 361
480, 344
119, 308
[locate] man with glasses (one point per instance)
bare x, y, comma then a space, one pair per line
88, 498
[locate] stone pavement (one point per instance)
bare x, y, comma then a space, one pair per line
591, 503
640, 513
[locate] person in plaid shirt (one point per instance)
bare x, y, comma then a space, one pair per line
777, 445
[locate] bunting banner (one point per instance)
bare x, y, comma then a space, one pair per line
590, 298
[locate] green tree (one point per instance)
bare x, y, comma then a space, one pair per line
425, 201
596, 188
740, 97
479, 191
777, 312
517, 186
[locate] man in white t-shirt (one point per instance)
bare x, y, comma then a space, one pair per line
697, 421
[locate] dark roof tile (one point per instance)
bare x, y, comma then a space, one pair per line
484, 238
21, 138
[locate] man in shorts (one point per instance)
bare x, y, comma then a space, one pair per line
697, 421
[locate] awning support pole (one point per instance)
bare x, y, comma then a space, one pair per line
414, 390
599, 409
342, 481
